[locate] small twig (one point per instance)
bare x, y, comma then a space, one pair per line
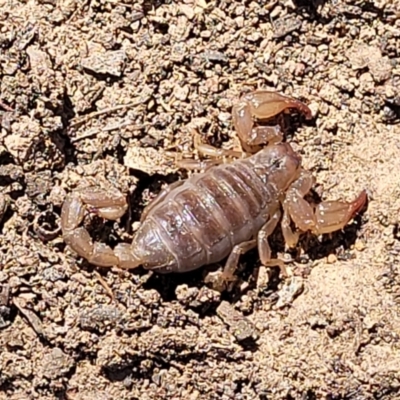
119, 3
102, 112
6, 106
77, 10
32, 318
94, 132
105, 285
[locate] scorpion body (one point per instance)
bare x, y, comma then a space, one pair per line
201, 221
223, 212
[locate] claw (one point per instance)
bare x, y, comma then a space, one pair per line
326, 217
332, 216
263, 105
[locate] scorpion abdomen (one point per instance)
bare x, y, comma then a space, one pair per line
203, 219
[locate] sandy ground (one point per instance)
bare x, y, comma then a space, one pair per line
106, 91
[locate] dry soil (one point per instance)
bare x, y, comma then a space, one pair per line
107, 92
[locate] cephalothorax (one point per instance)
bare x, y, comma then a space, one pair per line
223, 212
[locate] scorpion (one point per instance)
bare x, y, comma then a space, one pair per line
222, 212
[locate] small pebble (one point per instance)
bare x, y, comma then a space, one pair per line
331, 259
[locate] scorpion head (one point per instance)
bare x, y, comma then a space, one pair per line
278, 164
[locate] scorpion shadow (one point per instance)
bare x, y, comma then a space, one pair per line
310, 248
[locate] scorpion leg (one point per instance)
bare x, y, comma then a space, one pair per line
326, 217
291, 237
233, 259
221, 280
227, 275
109, 204
218, 155
264, 249
211, 151
262, 105
207, 150
202, 165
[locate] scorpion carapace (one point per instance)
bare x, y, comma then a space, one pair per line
223, 212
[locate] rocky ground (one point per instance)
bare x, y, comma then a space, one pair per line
107, 92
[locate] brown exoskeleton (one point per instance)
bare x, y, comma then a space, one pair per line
223, 212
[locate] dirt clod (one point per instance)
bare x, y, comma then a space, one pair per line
56, 364
240, 326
